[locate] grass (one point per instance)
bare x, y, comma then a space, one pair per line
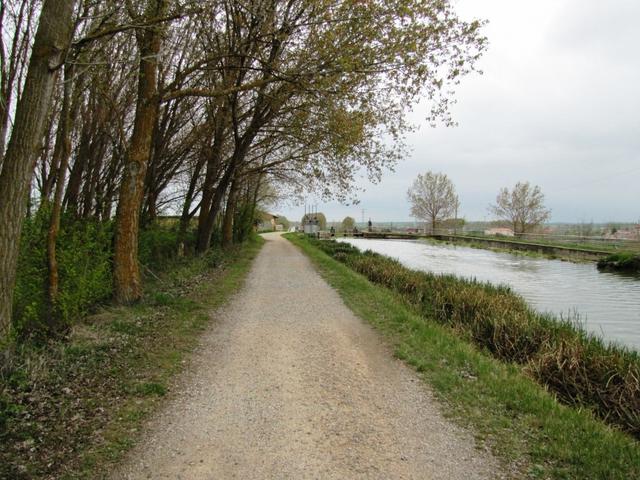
533, 434
72, 408
623, 262
580, 368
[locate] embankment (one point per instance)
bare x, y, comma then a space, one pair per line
555, 251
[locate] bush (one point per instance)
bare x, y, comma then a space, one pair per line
84, 251
623, 262
157, 245
578, 367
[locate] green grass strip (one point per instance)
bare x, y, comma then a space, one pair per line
524, 425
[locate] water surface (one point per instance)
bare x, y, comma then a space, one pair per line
608, 303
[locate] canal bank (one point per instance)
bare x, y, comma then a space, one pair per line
605, 303
517, 419
551, 251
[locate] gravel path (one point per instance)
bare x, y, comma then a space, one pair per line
289, 384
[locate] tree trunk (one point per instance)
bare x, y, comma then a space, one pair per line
51, 40
103, 209
48, 180
205, 226
208, 206
207, 221
126, 272
152, 208
185, 218
63, 153
16, 51
229, 213
72, 195
93, 177
152, 188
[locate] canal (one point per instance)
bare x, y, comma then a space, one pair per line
607, 304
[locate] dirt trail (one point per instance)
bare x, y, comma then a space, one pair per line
289, 384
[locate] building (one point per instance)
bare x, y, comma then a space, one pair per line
267, 221
500, 232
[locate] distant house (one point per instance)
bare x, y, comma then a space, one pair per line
631, 233
267, 221
500, 232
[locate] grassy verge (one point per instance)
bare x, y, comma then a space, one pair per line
71, 409
535, 435
621, 262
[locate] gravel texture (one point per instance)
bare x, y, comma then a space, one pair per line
290, 384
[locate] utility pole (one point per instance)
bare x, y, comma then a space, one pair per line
455, 220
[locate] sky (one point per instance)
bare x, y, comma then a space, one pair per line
558, 105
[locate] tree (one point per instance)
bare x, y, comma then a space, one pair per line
284, 221
203, 105
17, 18
126, 272
50, 44
348, 223
523, 207
433, 198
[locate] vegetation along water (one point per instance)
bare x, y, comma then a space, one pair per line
579, 368
606, 303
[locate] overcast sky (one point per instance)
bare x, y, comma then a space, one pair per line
558, 105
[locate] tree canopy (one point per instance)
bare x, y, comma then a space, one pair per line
433, 198
523, 207
192, 107
348, 223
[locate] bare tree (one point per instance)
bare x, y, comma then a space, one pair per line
433, 198
523, 207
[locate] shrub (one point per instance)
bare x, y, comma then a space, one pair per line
157, 245
84, 262
84, 251
624, 262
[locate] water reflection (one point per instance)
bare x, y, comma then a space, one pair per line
608, 303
